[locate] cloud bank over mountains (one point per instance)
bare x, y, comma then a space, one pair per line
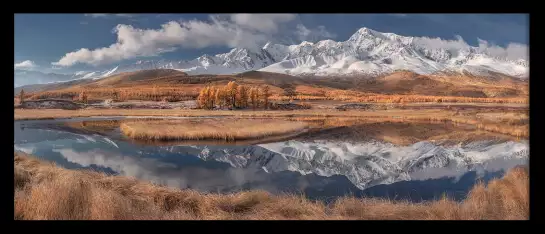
234, 30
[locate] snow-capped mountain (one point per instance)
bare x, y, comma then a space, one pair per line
364, 164
26, 77
366, 52
372, 52
235, 61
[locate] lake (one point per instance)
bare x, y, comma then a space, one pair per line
321, 164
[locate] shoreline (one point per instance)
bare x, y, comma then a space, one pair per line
95, 195
517, 130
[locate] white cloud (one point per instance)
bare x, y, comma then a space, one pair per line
27, 64
399, 15
267, 23
80, 73
513, 51
97, 15
305, 34
236, 31
108, 15
438, 43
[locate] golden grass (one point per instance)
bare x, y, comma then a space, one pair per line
20, 114
396, 131
514, 128
89, 195
354, 96
209, 129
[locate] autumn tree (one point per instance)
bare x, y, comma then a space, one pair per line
22, 96
210, 97
265, 92
231, 90
242, 96
219, 97
82, 97
254, 97
203, 98
115, 95
290, 92
123, 95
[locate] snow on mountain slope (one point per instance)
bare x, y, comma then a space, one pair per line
364, 164
366, 52
372, 52
107, 73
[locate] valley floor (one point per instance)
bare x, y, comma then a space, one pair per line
514, 123
89, 195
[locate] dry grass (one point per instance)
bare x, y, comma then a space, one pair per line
209, 129
354, 96
514, 125
396, 131
21, 114
88, 195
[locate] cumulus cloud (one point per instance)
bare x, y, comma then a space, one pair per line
306, 34
267, 23
236, 30
27, 64
512, 51
133, 42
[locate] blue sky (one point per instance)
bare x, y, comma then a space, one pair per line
44, 42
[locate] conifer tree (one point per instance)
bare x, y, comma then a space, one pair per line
265, 92
82, 97
242, 96
232, 93
254, 97
22, 96
201, 99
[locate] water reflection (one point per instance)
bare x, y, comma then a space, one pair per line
321, 170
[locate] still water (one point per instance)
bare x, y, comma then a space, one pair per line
318, 167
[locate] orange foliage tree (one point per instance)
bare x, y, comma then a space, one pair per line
22, 96
242, 96
232, 94
82, 97
231, 90
265, 92
254, 97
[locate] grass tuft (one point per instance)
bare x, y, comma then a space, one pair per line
89, 195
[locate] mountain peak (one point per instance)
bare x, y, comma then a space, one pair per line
367, 31
366, 52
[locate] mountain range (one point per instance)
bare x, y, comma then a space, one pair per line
365, 53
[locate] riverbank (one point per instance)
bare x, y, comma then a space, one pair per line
89, 195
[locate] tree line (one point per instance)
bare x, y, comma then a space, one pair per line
234, 96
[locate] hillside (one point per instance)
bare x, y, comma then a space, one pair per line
173, 85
